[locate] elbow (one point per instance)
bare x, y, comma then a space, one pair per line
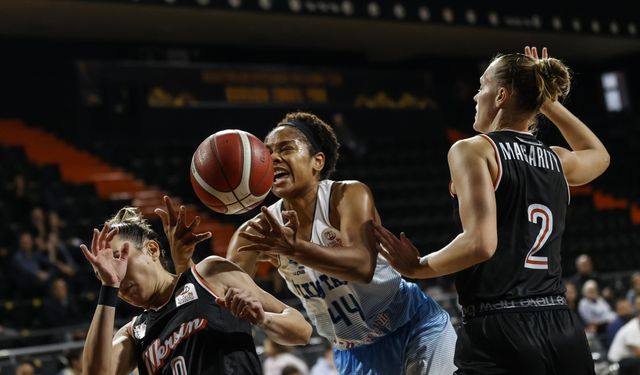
305, 335
365, 273
484, 247
606, 160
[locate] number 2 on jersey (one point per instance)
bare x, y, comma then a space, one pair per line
539, 214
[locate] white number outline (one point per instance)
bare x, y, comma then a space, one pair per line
178, 366
539, 213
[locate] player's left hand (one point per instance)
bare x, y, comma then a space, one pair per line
401, 253
243, 305
272, 236
182, 237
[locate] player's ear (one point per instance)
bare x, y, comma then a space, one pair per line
502, 97
318, 161
153, 249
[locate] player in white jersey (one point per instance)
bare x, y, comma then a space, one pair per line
319, 236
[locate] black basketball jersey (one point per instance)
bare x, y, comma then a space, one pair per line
532, 196
192, 334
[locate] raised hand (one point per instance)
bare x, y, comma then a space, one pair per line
109, 264
243, 305
401, 253
533, 52
272, 236
182, 237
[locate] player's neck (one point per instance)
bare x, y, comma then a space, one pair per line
164, 289
304, 204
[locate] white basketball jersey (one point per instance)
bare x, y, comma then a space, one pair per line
345, 312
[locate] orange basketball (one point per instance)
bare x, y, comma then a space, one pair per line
231, 171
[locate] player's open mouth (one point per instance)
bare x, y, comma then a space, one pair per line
279, 176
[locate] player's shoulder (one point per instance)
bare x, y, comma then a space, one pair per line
214, 265
350, 187
476, 145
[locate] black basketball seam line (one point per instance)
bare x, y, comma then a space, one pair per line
215, 149
261, 180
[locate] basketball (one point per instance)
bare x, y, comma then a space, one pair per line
231, 172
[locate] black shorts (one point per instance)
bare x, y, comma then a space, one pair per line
549, 341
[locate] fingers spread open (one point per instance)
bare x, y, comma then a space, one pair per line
87, 254
164, 217
273, 223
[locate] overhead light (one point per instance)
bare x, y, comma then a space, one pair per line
423, 13
264, 4
295, 5
347, 8
322, 6
399, 11
373, 9
575, 23
536, 21
471, 16
204, 3
334, 7
235, 3
447, 15
556, 22
631, 28
613, 27
169, 1
494, 20
311, 6
595, 26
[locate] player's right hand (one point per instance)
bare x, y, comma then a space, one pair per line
182, 237
109, 264
243, 305
399, 252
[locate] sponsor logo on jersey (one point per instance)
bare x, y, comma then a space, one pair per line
158, 352
139, 330
186, 294
331, 238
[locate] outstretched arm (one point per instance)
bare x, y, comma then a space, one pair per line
588, 158
477, 243
247, 301
354, 259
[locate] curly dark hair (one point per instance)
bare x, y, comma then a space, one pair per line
325, 137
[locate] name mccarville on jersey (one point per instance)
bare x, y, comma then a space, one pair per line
531, 154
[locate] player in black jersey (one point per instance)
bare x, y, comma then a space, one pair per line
197, 322
512, 196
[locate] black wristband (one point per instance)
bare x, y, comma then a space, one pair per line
108, 296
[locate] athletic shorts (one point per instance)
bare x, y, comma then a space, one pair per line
424, 345
535, 342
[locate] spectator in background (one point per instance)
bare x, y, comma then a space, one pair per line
60, 309
634, 289
73, 363
38, 226
31, 268
25, 368
571, 295
279, 357
58, 255
56, 225
624, 312
625, 348
584, 268
351, 145
594, 310
324, 364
